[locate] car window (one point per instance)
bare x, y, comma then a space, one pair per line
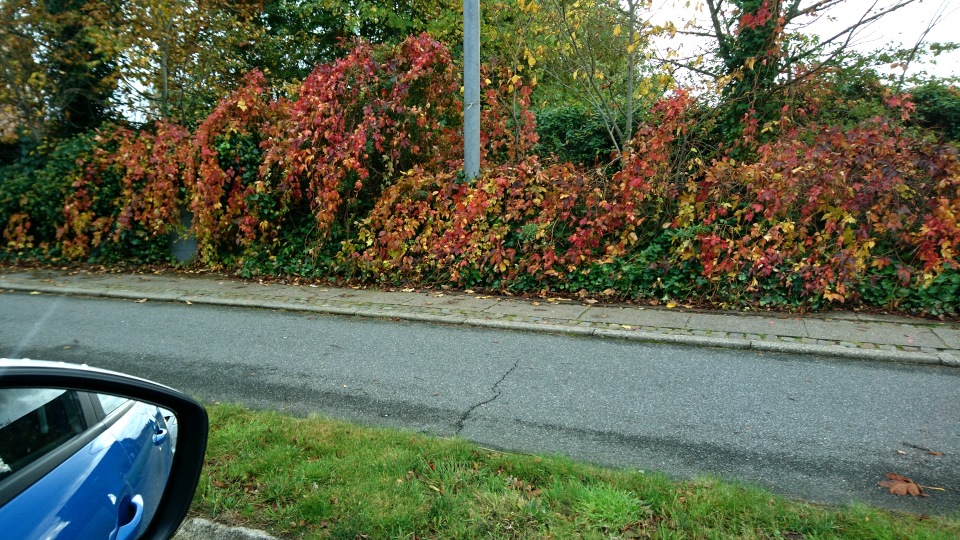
33, 422
111, 403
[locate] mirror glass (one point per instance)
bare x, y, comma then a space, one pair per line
79, 464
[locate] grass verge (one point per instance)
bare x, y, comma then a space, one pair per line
317, 478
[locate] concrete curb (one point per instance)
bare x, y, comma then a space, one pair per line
203, 529
877, 355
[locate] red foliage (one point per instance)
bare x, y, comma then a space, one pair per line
363, 120
822, 205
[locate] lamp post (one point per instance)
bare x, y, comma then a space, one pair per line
471, 88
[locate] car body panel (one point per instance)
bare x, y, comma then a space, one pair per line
88, 495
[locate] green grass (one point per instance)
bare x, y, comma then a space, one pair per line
316, 478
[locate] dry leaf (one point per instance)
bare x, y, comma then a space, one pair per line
35, 292
901, 452
590, 301
189, 303
469, 291
535, 303
139, 301
900, 485
408, 290
932, 453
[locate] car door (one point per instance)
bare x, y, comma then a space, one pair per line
67, 466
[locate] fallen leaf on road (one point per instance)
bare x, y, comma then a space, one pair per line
535, 303
626, 326
314, 286
590, 301
900, 485
469, 291
139, 301
932, 453
901, 452
67, 347
671, 305
35, 292
407, 290
189, 303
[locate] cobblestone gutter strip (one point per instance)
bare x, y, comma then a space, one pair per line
477, 319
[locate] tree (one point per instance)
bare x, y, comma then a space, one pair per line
58, 69
755, 49
594, 54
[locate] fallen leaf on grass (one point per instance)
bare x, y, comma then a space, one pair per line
900, 485
140, 301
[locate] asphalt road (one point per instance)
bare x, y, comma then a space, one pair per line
820, 429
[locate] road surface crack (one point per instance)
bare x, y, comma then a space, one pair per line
496, 393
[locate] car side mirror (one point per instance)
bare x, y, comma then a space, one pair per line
64, 419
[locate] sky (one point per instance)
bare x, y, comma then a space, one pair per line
901, 27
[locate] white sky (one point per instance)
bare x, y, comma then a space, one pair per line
904, 26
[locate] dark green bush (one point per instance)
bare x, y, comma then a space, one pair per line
574, 134
938, 107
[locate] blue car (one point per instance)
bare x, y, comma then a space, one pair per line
90, 457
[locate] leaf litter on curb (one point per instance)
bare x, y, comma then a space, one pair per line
900, 485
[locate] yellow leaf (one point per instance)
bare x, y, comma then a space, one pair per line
749, 63
242, 105
671, 305
531, 60
616, 30
487, 81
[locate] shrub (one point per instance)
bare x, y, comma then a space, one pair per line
574, 134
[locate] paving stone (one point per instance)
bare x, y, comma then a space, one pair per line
375, 297
888, 347
867, 346
771, 337
825, 342
638, 317
910, 349
453, 301
735, 335
753, 336
880, 333
809, 341
950, 336
701, 333
523, 307
752, 325
847, 344
928, 350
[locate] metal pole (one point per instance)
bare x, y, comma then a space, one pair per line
471, 88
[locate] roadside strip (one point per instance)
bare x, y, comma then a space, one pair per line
944, 357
